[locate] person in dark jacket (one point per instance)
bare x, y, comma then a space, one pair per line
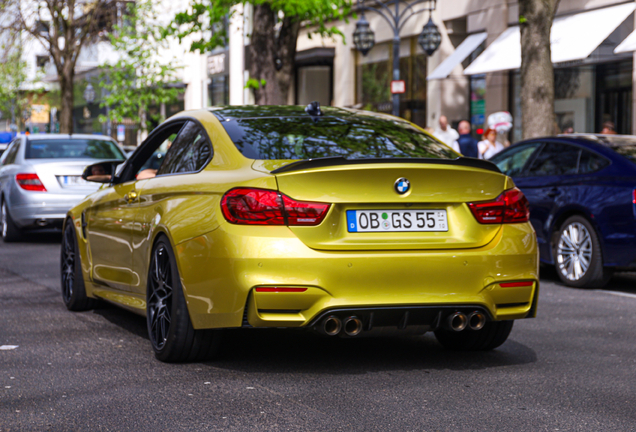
467, 144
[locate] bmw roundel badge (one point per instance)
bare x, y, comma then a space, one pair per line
402, 185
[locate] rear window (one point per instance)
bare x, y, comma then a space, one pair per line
72, 149
352, 138
627, 150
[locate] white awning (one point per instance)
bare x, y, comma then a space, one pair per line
466, 48
573, 37
628, 45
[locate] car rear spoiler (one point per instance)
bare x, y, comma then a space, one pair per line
339, 160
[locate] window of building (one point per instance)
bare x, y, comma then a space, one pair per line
374, 75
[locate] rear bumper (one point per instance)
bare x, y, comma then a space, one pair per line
35, 209
221, 269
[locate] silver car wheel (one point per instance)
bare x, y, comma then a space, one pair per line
574, 251
4, 220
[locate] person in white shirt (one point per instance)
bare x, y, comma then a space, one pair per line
446, 134
489, 146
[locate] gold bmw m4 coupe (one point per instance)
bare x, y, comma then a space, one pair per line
344, 222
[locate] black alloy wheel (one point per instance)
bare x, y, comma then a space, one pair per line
73, 289
159, 297
491, 335
170, 329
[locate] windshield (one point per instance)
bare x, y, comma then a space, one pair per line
353, 138
75, 148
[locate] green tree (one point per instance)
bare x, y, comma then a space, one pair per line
64, 28
141, 78
537, 72
276, 25
12, 75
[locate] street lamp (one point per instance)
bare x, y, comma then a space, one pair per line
364, 37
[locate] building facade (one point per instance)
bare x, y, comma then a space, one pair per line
475, 71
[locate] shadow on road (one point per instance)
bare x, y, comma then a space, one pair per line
48, 236
284, 350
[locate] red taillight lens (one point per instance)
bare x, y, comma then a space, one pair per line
634, 196
509, 207
516, 284
303, 212
247, 206
30, 182
253, 207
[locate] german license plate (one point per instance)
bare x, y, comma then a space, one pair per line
396, 220
71, 181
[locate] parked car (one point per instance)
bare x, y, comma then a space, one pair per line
40, 178
341, 221
582, 194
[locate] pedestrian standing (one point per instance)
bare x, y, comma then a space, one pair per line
608, 128
445, 133
489, 146
467, 145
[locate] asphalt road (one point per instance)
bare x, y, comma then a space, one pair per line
571, 369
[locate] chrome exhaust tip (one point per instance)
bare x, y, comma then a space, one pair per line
476, 320
457, 321
352, 326
42, 222
331, 325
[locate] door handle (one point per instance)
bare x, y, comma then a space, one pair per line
131, 196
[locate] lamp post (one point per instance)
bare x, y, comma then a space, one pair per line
364, 37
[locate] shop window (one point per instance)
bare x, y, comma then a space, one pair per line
614, 96
374, 83
314, 84
219, 91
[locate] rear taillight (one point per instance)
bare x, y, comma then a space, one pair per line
509, 207
247, 206
30, 182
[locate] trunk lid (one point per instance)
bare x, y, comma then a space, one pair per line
372, 186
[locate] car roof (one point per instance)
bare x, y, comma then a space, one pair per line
256, 111
48, 136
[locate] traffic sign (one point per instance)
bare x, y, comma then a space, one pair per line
398, 86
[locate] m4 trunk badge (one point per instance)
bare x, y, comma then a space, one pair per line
402, 185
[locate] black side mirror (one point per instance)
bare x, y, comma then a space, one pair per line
101, 172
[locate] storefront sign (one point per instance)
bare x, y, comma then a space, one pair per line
398, 87
216, 64
40, 113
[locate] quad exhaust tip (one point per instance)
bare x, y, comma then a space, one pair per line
352, 326
476, 320
457, 321
331, 325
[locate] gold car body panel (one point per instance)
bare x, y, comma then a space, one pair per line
220, 264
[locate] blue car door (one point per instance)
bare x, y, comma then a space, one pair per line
548, 182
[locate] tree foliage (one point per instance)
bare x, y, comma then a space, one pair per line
276, 25
141, 78
12, 76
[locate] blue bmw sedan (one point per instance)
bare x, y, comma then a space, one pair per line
582, 194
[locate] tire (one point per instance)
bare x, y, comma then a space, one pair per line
169, 327
10, 231
577, 255
492, 335
73, 289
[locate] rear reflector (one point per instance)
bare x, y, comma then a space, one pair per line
516, 284
30, 182
280, 289
509, 207
249, 206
